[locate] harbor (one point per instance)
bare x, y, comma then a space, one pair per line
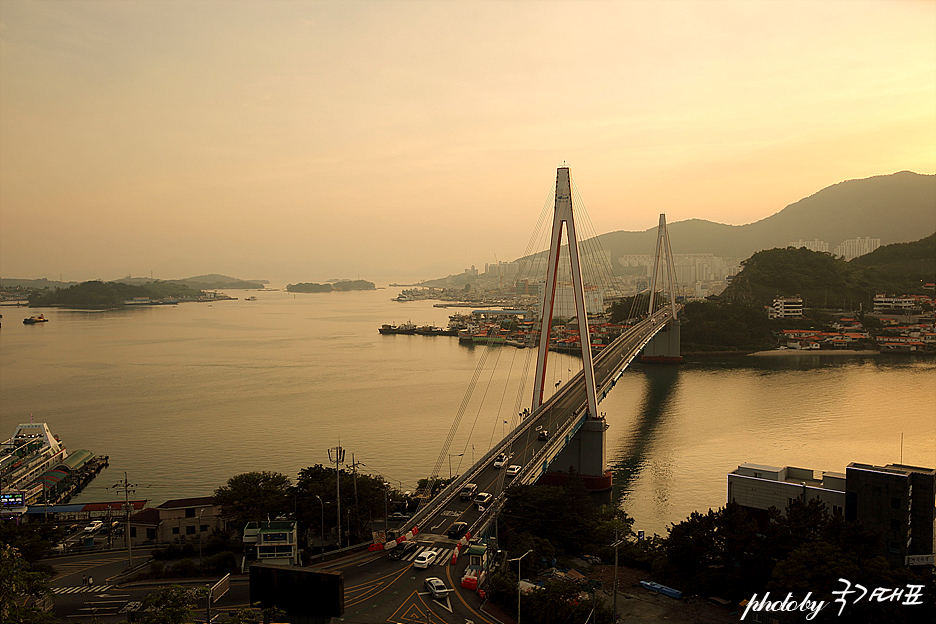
37, 470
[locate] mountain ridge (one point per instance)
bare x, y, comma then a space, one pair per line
895, 208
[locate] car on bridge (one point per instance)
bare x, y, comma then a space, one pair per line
468, 491
513, 471
397, 515
424, 558
543, 434
457, 530
436, 587
482, 499
502, 459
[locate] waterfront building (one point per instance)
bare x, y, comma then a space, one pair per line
757, 488
896, 500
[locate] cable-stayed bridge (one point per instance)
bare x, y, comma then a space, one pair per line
566, 432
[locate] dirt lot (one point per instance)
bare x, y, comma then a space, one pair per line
637, 605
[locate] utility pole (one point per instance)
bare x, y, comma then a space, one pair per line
357, 508
127, 488
338, 458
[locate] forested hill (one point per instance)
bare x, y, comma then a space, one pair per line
97, 295
825, 281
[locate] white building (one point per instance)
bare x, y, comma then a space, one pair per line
886, 303
813, 245
761, 487
786, 307
854, 247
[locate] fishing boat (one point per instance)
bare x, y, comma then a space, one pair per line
32, 320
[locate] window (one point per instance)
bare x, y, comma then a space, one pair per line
895, 503
895, 524
894, 547
190, 530
190, 513
175, 530
836, 510
203, 528
133, 531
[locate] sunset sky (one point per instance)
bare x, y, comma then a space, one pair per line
308, 140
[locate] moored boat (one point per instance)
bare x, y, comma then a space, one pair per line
32, 320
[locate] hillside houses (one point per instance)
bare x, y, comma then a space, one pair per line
851, 334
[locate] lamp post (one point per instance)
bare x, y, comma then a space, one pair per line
322, 536
451, 455
617, 542
518, 580
386, 512
199, 535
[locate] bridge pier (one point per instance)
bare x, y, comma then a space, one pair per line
664, 348
585, 454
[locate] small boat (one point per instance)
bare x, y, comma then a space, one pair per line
250, 299
32, 320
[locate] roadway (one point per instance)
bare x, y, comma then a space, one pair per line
559, 417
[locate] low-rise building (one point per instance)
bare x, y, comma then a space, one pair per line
272, 542
758, 488
175, 522
896, 500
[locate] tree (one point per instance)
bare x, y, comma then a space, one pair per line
17, 581
254, 496
173, 605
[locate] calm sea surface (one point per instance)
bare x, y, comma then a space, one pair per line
183, 397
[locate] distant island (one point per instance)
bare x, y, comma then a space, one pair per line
337, 286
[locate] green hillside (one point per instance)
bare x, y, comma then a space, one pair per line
825, 281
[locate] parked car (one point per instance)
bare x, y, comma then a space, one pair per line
482, 499
468, 491
398, 515
543, 435
457, 530
501, 460
513, 471
424, 558
402, 550
436, 587
94, 526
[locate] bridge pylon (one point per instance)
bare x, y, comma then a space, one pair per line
664, 348
585, 453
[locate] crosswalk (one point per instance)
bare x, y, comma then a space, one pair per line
443, 555
81, 589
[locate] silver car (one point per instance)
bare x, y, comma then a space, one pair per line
436, 587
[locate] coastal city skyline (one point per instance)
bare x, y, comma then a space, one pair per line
343, 139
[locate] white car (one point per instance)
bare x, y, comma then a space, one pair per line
513, 471
424, 559
501, 460
436, 587
94, 526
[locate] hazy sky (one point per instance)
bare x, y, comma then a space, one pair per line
300, 141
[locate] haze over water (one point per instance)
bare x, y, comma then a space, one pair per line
183, 397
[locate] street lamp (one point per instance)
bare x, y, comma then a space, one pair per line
199, 535
322, 536
518, 580
451, 455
